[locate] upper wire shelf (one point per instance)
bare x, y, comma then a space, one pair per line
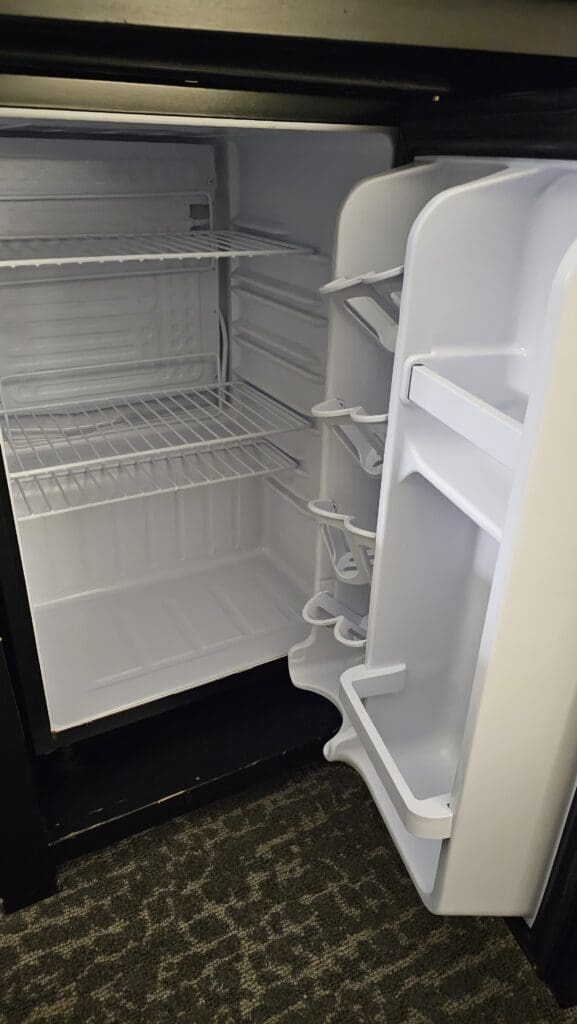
170, 245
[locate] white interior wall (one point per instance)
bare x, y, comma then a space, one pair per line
58, 317
292, 185
110, 545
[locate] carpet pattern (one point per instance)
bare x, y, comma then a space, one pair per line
286, 904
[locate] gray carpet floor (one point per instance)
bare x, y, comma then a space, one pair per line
286, 904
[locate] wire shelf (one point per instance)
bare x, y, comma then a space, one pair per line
101, 431
63, 490
195, 245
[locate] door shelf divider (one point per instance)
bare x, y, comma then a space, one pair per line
428, 818
351, 547
362, 434
349, 627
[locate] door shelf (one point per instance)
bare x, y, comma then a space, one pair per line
63, 490
428, 817
106, 431
349, 627
474, 482
161, 247
351, 547
468, 393
362, 434
421, 856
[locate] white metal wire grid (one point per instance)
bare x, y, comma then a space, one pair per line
61, 490
40, 252
98, 432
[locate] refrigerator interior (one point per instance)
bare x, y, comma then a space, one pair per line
162, 342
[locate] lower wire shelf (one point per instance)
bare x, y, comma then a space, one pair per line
64, 489
98, 431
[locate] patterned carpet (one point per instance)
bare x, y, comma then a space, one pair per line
286, 904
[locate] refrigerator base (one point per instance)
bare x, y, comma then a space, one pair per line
102, 789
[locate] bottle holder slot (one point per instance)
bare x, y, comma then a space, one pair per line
374, 299
351, 547
349, 627
362, 433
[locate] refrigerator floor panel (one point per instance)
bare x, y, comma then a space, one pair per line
109, 650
